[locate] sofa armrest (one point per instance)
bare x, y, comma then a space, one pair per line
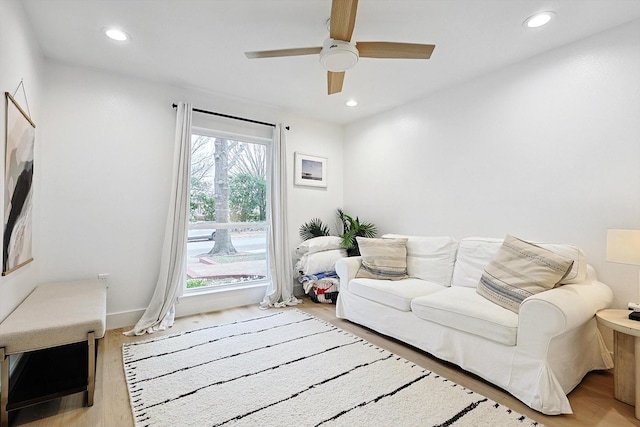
347, 268
554, 312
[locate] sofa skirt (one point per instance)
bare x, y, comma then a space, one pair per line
532, 380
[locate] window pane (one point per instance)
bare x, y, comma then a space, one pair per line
227, 242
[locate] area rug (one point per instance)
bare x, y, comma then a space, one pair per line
289, 368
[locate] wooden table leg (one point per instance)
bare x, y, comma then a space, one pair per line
91, 380
625, 370
626, 378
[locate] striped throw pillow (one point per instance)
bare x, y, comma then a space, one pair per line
383, 258
519, 270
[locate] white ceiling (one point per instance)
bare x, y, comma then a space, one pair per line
201, 44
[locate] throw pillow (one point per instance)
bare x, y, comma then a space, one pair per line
319, 244
519, 270
383, 258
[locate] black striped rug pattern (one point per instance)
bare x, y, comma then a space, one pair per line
289, 368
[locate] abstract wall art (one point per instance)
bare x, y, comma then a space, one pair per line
18, 194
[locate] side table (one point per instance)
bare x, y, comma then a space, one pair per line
626, 341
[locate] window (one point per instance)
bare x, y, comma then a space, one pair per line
228, 228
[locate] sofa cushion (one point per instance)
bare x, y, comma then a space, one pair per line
463, 309
397, 294
475, 253
521, 269
430, 258
384, 259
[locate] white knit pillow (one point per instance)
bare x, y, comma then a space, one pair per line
319, 244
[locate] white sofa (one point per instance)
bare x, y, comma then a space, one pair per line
538, 355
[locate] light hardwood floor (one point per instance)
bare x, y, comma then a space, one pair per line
592, 401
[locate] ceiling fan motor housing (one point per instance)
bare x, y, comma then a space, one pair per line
338, 55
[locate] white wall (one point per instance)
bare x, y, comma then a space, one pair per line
20, 58
105, 162
547, 149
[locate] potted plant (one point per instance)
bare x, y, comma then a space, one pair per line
352, 228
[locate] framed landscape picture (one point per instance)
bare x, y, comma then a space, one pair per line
310, 170
19, 139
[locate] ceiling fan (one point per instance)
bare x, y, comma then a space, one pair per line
338, 53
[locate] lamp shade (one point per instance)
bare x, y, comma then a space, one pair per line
623, 246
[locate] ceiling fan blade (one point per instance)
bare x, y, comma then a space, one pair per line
283, 52
395, 50
343, 19
334, 82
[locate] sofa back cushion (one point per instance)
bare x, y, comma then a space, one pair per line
475, 253
430, 258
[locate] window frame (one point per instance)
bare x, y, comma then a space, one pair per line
266, 225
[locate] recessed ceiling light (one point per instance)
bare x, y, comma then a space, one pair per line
351, 103
539, 19
117, 35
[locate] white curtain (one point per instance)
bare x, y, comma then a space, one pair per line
280, 290
160, 313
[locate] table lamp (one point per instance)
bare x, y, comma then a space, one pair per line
623, 246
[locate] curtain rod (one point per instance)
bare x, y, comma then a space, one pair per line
227, 116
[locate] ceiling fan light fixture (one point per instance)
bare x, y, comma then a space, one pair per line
338, 55
539, 19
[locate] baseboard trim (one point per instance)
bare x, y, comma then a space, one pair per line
219, 300
200, 303
124, 318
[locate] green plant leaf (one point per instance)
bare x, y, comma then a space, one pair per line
352, 228
313, 228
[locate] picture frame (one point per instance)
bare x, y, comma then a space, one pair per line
18, 188
310, 171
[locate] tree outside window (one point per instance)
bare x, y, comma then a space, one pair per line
228, 191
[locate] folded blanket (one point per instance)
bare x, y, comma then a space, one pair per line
317, 276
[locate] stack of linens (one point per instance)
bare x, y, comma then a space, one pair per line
316, 267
